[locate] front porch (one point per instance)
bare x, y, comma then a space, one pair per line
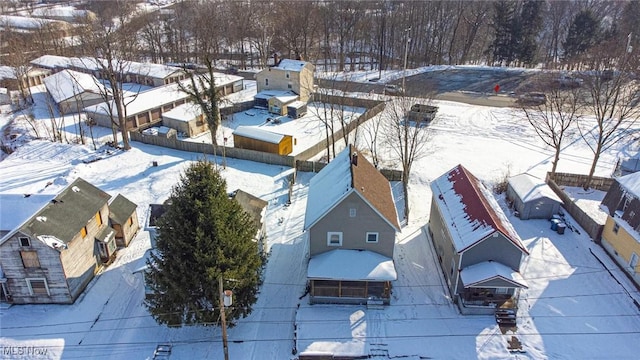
485, 301
349, 292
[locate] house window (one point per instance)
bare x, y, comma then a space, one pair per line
24, 241
266, 82
38, 286
334, 238
99, 218
352, 212
616, 227
372, 237
633, 262
130, 221
83, 231
287, 74
502, 290
30, 259
289, 86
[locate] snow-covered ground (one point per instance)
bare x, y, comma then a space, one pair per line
578, 306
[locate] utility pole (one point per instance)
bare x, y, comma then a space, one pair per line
223, 319
406, 53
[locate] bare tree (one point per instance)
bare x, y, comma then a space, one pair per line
613, 94
552, 118
407, 140
110, 40
201, 89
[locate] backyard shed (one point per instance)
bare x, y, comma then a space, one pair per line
253, 138
297, 109
187, 119
532, 198
422, 113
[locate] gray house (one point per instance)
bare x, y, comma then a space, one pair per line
478, 249
532, 198
52, 245
351, 224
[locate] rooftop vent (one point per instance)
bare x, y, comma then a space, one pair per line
75, 189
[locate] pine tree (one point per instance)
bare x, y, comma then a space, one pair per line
503, 25
203, 235
583, 34
531, 23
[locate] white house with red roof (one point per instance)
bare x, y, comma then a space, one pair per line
478, 249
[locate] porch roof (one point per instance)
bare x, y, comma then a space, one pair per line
351, 265
478, 274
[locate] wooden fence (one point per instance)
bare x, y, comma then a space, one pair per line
316, 166
590, 225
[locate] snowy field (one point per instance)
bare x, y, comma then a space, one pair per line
578, 306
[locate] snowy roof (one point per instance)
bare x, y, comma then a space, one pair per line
297, 104
489, 270
68, 83
291, 65
267, 94
351, 265
253, 132
143, 101
15, 209
529, 187
7, 72
51, 61
631, 183
469, 209
59, 11
339, 178
30, 23
184, 112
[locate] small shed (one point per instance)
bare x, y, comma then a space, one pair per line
279, 104
187, 119
254, 138
124, 219
161, 131
422, 113
532, 198
297, 109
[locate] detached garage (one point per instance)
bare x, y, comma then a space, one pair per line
253, 138
532, 198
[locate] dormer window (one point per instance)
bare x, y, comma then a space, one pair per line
24, 241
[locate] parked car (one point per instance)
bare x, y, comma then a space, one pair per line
392, 89
532, 99
568, 81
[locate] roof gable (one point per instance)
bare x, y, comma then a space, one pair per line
68, 83
469, 210
291, 65
341, 177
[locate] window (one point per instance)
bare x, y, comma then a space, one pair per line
502, 290
83, 231
372, 237
334, 238
38, 286
24, 241
289, 86
266, 82
287, 74
98, 218
130, 221
30, 259
633, 262
352, 212
616, 227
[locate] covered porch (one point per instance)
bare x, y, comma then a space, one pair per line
487, 286
350, 277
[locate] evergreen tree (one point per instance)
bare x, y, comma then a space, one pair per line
531, 23
203, 235
503, 26
583, 34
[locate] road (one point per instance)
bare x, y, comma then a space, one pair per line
468, 85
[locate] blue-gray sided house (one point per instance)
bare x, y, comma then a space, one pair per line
351, 224
52, 245
478, 249
531, 197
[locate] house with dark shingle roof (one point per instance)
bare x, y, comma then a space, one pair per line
351, 224
478, 249
123, 219
52, 245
